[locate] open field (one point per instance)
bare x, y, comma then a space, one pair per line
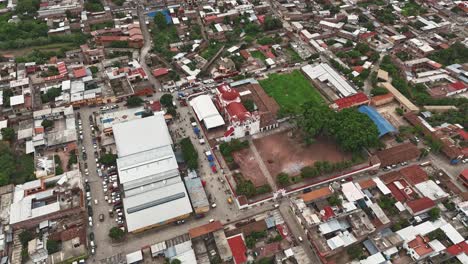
258, 55
290, 90
282, 153
249, 167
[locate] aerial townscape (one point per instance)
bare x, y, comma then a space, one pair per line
233, 131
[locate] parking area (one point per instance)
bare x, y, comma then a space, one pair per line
100, 183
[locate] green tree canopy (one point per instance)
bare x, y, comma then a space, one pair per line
166, 100
282, 179
116, 233
46, 123
134, 101
8, 133
52, 246
160, 20
434, 213
108, 159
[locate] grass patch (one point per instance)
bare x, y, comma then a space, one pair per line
258, 55
291, 90
293, 55
211, 50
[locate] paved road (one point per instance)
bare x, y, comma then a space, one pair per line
146, 48
451, 170
100, 229
297, 230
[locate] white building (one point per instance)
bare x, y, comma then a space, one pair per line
241, 122
154, 192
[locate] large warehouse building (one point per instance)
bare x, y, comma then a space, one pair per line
154, 192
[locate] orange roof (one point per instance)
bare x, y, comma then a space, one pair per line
420, 246
205, 229
317, 194
366, 184
414, 174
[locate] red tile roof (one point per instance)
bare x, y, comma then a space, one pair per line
358, 69
414, 174
245, 54
79, 73
156, 106
353, 100
463, 134
328, 213
459, 248
205, 229
237, 111
366, 184
160, 72
464, 174
420, 205
238, 249
458, 85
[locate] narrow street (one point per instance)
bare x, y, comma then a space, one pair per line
297, 230
145, 50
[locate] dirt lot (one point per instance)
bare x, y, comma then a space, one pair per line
249, 167
282, 153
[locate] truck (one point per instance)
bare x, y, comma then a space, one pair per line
196, 130
209, 156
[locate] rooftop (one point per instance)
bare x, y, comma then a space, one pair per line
205, 229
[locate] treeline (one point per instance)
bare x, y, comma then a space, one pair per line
190, 153
351, 129
74, 38
16, 169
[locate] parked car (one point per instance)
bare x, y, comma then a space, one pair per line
101, 217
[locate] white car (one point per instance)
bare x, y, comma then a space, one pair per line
95, 201
212, 220
106, 198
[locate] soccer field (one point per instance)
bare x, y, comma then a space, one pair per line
291, 90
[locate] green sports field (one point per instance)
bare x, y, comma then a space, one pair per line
291, 90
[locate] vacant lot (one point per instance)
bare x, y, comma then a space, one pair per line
249, 167
290, 90
282, 152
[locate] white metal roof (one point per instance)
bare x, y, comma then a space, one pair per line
134, 257
351, 192
431, 190
381, 186
141, 135
323, 72
156, 206
206, 111
17, 100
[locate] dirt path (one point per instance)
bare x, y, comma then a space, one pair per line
262, 166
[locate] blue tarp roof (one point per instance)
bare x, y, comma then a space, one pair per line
166, 14
382, 124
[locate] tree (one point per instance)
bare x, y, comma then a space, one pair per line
282, 179
8, 134
116, 233
25, 237
166, 100
134, 101
46, 123
108, 159
250, 242
355, 251
434, 213
4, 179
309, 172
246, 188
52, 246
160, 21
189, 153
334, 200
27, 6
249, 105
272, 23
175, 261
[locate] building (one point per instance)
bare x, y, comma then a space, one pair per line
241, 121
149, 175
350, 101
382, 124
398, 154
324, 73
197, 195
404, 102
50, 199
206, 111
